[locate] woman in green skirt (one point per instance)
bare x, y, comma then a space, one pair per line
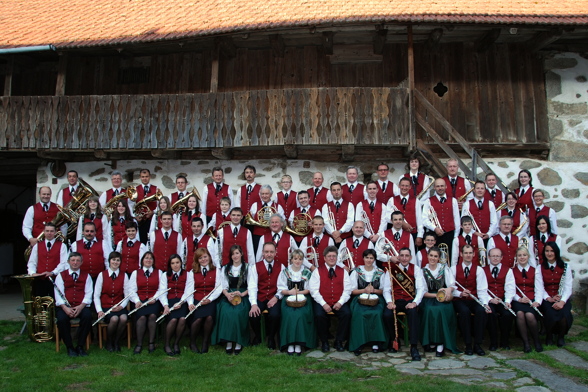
232, 324
438, 322
367, 324
297, 327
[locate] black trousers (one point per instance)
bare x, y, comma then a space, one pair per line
321, 319
412, 316
464, 308
500, 318
64, 326
144, 230
272, 322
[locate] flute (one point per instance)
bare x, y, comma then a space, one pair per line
110, 310
149, 300
200, 303
531, 304
176, 306
501, 302
65, 301
473, 296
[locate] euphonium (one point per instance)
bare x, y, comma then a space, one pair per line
300, 225
39, 311
263, 217
142, 209
130, 193
77, 206
424, 191
180, 206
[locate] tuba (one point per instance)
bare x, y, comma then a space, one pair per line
130, 193
263, 217
180, 206
142, 209
300, 225
39, 311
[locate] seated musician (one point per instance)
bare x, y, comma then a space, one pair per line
403, 291
48, 258
73, 296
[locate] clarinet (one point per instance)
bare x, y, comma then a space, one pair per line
562, 281
65, 301
501, 302
473, 296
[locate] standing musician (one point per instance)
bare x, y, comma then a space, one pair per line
343, 213
374, 209
163, 205
198, 239
108, 294
185, 218
502, 284
93, 214
399, 238
265, 195
165, 242
422, 256
65, 195
115, 231
455, 185
482, 211
468, 236
214, 192
264, 294
144, 191
39, 214
473, 280
223, 216
73, 286
447, 210
493, 193
283, 241
541, 209
330, 289
542, 236
519, 218
248, 194
318, 239
48, 258
131, 249
525, 190
304, 208
358, 243
117, 189
385, 188
286, 198
180, 193
418, 179
319, 195
353, 191
411, 207
236, 234
408, 288
505, 241
94, 251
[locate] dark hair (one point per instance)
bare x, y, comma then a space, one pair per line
335, 183
217, 169
236, 209
546, 219
227, 199
199, 253
98, 208
368, 252
490, 174
330, 249
251, 167
197, 219
182, 177
75, 254
558, 260
73, 171
430, 234
145, 171
112, 255
396, 213
530, 177
268, 243
51, 224
405, 179
89, 224
303, 192
511, 193
131, 224
169, 268
465, 219
479, 182
166, 213
145, 254
412, 156
405, 248
227, 268
116, 216
370, 182
435, 249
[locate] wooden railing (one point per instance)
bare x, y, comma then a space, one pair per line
367, 116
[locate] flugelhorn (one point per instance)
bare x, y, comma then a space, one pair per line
312, 255
474, 224
180, 205
345, 255
142, 209
444, 257
434, 218
385, 246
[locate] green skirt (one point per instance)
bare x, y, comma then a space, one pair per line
232, 322
367, 324
297, 326
438, 324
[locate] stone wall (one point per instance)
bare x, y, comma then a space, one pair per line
564, 185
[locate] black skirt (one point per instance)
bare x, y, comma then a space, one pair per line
552, 316
178, 313
149, 309
522, 307
204, 311
121, 312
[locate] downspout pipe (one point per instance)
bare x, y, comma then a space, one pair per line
27, 49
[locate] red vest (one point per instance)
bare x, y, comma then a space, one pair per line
331, 289
319, 200
129, 257
93, 258
497, 199
204, 284
118, 231
340, 216
191, 249
47, 261
40, 217
354, 197
323, 244
112, 290
552, 279
399, 292
99, 229
418, 188
533, 218
527, 200
539, 245
470, 283
219, 219
496, 285
474, 244
481, 216
187, 224
516, 219
174, 197
508, 251
163, 249
257, 230
177, 287
460, 188
357, 253
147, 286
213, 198
528, 284
374, 217
289, 205
444, 212
281, 247
409, 210
229, 240
403, 242
310, 210
66, 195
141, 195
110, 194
267, 285
74, 290
383, 197
424, 257
248, 199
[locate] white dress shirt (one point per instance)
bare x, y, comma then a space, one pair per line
132, 285
347, 226
179, 240
427, 219
252, 280
60, 285
98, 289
188, 289
481, 283
419, 284
34, 258
315, 285
493, 228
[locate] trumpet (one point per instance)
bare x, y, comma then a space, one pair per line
434, 218
130, 193
311, 254
180, 206
483, 261
523, 223
300, 225
424, 191
142, 209
263, 217
462, 198
345, 255
366, 221
385, 246
444, 258
330, 220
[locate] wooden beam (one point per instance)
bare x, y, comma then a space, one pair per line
101, 154
8, 78
429, 155
291, 151
347, 152
380, 41
165, 154
227, 47
328, 41
541, 40
483, 43
61, 75
411, 109
222, 153
214, 70
434, 39
277, 44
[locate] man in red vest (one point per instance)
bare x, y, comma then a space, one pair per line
493, 193
375, 211
408, 204
131, 249
456, 186
65, 195
330, 289
39, 214
265, 195
473, 280
319, 195
406, 282
117, 189
262, 284
342, 211
214, 192
284, 241
199, 240
446, 210
236, 234
507, 242
386, 189
358, 243
501, 283
304, 207
482, 211
248, 194
73, 296
48, 258
353, 190
165, 242
399, 238
94, 251
287, 198
318, 239
144, 191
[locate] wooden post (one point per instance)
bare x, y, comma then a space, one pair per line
411, 109
8, 78
214, 70
61, 73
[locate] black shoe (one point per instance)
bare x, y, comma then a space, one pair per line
414, 353
468, 350
357, 352
526, 348
238, 351
375, 350
177, 350
440, 354
493, 347
271, 344
138, 349
109, 347
538, 347
291, 354
72, 352
169, 351
117, 347
478, 350
428, 348
561, 342
151, 347
298, 354
229, 351
81, 352
392, 350
325, 347
339, 346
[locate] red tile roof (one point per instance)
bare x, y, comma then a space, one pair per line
77, 23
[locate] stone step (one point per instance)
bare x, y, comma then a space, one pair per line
547, 376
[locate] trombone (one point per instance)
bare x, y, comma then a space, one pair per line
523, 223
474, 224
366, 221
345, 255
424, 191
